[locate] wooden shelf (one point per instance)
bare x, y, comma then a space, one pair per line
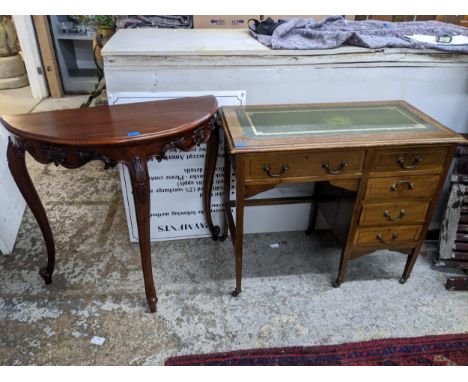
75, 37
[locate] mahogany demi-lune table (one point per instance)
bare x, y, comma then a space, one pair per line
129, 134
379, 168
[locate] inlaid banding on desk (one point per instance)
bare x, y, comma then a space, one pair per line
413, 158
387, 235
401, 212
305, 164
424, 186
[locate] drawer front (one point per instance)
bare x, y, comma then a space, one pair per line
410, 159
393, 213
398, 187
387, 235
321, 164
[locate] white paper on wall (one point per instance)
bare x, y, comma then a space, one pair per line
176, 186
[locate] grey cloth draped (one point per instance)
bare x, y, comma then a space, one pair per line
335, 31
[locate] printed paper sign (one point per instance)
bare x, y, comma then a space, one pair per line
176, 184
176, 187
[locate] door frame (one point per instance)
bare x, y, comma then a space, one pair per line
31, 55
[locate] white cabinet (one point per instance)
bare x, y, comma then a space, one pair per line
221, 60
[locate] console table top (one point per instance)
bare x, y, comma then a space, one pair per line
111, 125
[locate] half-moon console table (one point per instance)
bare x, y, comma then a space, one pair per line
129, 134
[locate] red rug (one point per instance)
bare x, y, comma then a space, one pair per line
443, 350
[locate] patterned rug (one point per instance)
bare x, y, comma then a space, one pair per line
443, 350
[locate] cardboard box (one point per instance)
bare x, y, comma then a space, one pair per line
226, 21
380, 17
289, 17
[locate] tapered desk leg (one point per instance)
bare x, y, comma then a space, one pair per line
210, 167
141, 195
347, 249
19, 171
240, 201
227, 192
312, 218
409, 265
342, 269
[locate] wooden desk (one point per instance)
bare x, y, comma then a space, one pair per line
379, 166
130, 134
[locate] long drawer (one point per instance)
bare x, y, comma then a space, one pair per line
308, 164
409, 159
400, 187
382, 214
385, 236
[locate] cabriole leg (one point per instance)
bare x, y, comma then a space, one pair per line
210, 167
19, 171
140, 185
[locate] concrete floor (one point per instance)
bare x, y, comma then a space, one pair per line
19, 101
287, 298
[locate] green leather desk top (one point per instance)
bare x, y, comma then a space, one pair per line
315, 121
330, 125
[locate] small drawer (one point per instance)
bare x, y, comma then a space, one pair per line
410, 159
398, 187
393, 213
316, 164
387, 235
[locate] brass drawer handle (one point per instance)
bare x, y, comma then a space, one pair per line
381, 239
402, 164
284, 168
326, 166
389, 217
395, 186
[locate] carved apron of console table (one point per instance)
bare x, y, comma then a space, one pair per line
379, 168
129, 134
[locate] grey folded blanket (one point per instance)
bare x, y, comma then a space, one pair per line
126, 22
335, 31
